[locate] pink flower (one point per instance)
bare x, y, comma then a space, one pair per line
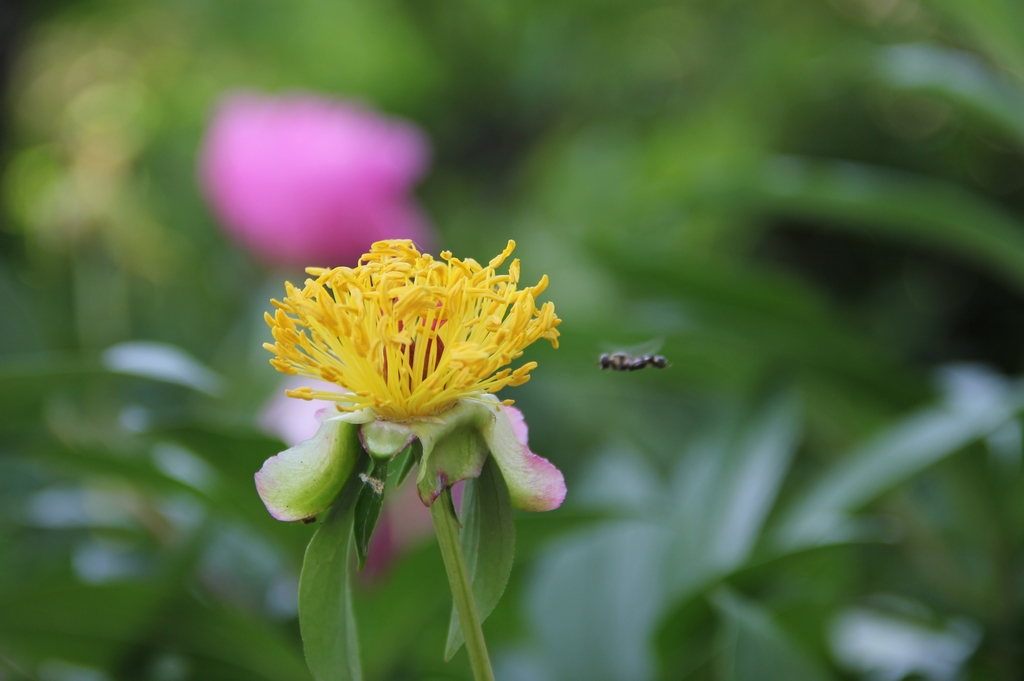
309, 181
294, 420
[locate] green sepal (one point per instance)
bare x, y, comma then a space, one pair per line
458, 456
453, 448
303, 481
411, 455
326, 619
368, 505
488, 541
385, 439
454, 444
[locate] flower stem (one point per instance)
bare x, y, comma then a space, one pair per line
446, 525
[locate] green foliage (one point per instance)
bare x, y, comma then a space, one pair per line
488, 539
367, 508
818, 207
326, 614
755, 648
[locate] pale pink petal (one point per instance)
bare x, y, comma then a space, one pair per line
533, 482
519, 426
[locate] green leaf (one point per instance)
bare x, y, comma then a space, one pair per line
596, 599
755, 647
723, 490
975, 404
960, 78
83, 624
412, 454
749, 317
231, 639
600, 594
371, 498
326, 619
901, 205
997, 26
488, 541
399, 620
162, 362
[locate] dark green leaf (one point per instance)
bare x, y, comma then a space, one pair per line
236, 455
80, 623
997, 26
596, 598
975, 404
749, 316
723, 490
901, 205
958, 77
755, 647
27, 383
326, 619
399, 619
411, 455
232, 639
368, 504
488, 541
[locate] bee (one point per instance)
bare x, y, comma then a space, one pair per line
635, 358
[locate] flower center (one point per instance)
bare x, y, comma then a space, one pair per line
362, 329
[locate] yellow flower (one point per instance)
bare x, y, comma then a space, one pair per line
406, 335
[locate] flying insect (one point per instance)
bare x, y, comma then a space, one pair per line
634, 359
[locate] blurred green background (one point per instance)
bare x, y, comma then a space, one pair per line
819, 206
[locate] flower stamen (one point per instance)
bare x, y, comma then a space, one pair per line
407, 335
